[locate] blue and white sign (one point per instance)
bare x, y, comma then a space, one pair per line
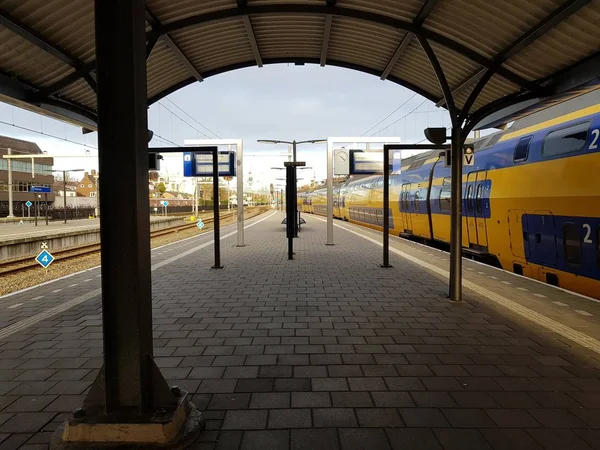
200, 224
28, 204
45, 189
44, 258
165, 203
199, 163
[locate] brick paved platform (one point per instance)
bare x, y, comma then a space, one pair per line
328, 351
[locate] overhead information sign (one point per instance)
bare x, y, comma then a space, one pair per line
371, 163
200, 163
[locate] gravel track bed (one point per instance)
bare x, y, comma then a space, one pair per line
34, 276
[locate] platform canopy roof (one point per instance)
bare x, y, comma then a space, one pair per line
528, 49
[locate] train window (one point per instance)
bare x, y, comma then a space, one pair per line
479, 201
566, 140
522, 150
380, 183
470, 198
416, 200
445, 195
572, 244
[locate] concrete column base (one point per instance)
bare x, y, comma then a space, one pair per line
176, 430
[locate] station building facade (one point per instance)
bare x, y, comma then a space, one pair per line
22, 179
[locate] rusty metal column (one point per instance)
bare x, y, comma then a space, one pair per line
129, 386
456, 217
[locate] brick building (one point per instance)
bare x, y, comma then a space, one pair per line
86, 187
22, 180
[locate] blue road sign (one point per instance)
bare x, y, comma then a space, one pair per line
44, 258
200, 224
165, 203
39, 189
28, 204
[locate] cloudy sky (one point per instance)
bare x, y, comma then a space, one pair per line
281, 101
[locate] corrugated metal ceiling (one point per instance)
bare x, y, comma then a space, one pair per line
466, 36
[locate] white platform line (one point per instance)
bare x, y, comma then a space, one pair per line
560, 304
16, 305
540, 295
583, 313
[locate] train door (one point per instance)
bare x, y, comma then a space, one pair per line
481, 206
542, 235
405, 207
470, 207
519, 233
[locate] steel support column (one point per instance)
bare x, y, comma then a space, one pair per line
289, 176
456, 217
130, 384
10, 184
386, 208
329, 192
216, 210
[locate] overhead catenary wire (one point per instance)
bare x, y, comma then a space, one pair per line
199, 123
401, 118
390, 114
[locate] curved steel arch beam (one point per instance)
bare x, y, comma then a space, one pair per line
355, 14
292, 60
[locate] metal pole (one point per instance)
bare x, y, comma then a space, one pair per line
35, 209
329, 192
46, 205
386, 208
456, 218
130, 385
216, 210
240, 193
289, 211
10, 185
65, 193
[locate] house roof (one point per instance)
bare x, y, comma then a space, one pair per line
528, 49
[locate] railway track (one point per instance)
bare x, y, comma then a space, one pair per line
25, 263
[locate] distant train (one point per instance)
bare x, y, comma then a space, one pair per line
531, 202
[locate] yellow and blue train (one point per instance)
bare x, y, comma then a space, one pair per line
531, 202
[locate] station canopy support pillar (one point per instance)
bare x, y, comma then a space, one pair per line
462, 124
130, 403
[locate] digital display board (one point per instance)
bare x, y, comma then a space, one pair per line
371, 163
199, 163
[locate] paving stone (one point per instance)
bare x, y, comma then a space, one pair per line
265, 440
293, 384
412, 439
510, 440
423, 417
275, 371
452, 439
26, 422
467, 418
432, 399
404, 383
334, 417
351, 399
245, 420
255, 385
329, 384
345, 370
217, 386
316, 438
241, 372
290, 418
311, 399
229, 440
229, 401
378, 417
269, 400
29, 403
474, 399
207, 372
556, 418
363, 439
367, 384
512, 418
310, 371
559, 439
391, 399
